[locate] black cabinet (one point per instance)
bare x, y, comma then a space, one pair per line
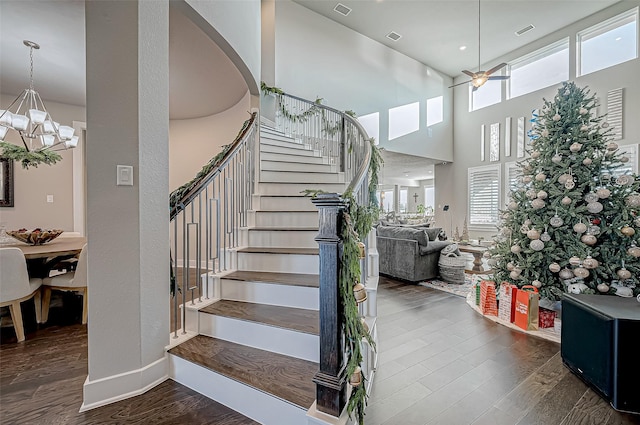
600, 336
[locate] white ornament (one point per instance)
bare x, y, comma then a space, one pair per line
536, 283
536, 245
593, 230
510, 266
583, 111
603, 193
527, 222
623, 274
545, 133
535, 154
605, 124
603, 288
566, 201
513, 205
584, 127
634, 251
575, 147
533, 234
516, 249
556, 221
624, 159
545, 237
624, 180
542, 194
554, 267
591, 197
563, 178
526, 179
622, 291
531, 194
589, 239
577, 288
514, 275
556, 159
556, 117
612, 146
633, 200
590, 263
587, 161
570, 184
541, 177
594, 207
580, 228
636, 221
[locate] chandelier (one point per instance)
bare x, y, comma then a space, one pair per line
41, 135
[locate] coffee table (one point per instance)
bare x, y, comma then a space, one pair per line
477, 252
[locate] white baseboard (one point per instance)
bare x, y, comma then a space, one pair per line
110, 389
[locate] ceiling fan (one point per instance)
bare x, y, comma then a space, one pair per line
479, 78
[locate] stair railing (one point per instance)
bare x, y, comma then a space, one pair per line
340, 137
206, 215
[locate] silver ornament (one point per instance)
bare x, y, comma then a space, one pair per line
623, 274
636, 222
584, 127
533, 234
593, 230
605, 176
612, 146
516, 249
624, 159
536, 283
633, 200
541, 177
527, 222
537, 204
531, 194
587, 161
545, 237
513, 205
556, 221
583, 111
605, 124
526, 179
590, 263
535, 154
594, 207
554, 267
556, 159
566, 274
566, 201
556, 117
514, 275
542, 194
570, 184
536, 245
591, 197
563, 178
575, 261
634, 251
510, 266
545, 133
602, 287
579, 227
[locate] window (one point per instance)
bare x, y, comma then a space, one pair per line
512, 172
430, 197
540, 69
371, 124
484, 195
403, 200
404, 120
385, 198
609, 43
489, 94
435, 113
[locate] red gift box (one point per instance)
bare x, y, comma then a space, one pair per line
488, 304
546, 318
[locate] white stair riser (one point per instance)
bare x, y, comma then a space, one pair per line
300, 150
281, 263
275, 135
253, 403
292, 157
270, 293
283, 238
284, 203
313, 180
296, 166
293, 144
275, 188
257, 335
285, 219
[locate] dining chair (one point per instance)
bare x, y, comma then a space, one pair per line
16, 287
74, 281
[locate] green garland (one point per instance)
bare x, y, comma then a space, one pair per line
28, 158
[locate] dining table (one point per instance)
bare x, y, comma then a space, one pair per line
41, 258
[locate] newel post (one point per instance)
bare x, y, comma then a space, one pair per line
330, 380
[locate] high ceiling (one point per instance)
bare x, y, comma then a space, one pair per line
434, 30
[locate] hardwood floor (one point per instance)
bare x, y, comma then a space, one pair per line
440, 363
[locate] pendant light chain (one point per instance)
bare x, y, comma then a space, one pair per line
31, 70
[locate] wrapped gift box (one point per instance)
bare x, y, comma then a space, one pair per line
488, 304
546, 318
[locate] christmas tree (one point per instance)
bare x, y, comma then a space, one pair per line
571, 222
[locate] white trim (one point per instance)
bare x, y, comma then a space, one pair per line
118, 387
78, 180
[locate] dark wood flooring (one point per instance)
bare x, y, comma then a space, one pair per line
285, 377
440, 363
294, 279
297, 319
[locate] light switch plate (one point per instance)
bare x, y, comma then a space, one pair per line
49, 198
124, 175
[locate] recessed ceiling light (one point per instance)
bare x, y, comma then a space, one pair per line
525, 29
618, 38
342, 9
430, 172
463, 48
394, 36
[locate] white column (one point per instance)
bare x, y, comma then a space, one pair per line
128, 226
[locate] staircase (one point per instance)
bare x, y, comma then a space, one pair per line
254, 345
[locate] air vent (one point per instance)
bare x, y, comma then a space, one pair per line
342, 9
394, 36
525, 29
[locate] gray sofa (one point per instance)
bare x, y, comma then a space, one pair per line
409, 253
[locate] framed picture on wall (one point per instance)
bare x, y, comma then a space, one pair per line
6, 182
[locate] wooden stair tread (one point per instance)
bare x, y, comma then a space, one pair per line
285, 377
297, 319
284, 229
270, 250
292, 279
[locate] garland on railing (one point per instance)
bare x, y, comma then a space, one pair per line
26, 157
176, 197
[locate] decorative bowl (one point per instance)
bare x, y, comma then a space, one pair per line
36, 236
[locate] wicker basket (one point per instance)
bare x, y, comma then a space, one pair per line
452, 268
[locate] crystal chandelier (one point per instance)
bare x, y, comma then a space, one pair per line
28, 116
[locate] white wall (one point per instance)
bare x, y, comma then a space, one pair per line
451, 179
317, 57
192, 143
31, 186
